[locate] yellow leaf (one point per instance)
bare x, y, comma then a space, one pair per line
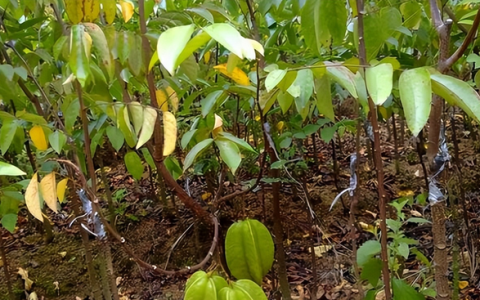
463, 284
74, 10
32, 198
61, 188
38, 137
87, 43
162, 100
169, 133
257, 118
172, 97
91, 10
206, 195
109, 8
206, 57
280, 126
236, 75
48, 187
127, 10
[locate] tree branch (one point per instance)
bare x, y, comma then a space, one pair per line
461, 50
435, 12
452, 16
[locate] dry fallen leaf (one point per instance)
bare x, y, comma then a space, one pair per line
319, 250
24, 274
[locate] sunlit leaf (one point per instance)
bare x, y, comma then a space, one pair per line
10, 170
169, 133
342, 76
149, 120
109, 9
379, 81
171, 44
32, 198
274, 78
91, 10
236, 75
136, 112
124, 125
38, 138
48, 188
457, 92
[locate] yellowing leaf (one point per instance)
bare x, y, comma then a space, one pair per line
218, 125
136, 112
149, 119
91, 10
38, 137
172, 97
109, 8
162, 100
61, 188
32, 198
74, 10
205, 196
463, 284
169, 133
48, 187
236, 75
127, 10
352, 64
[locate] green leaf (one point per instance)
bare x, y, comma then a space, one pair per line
57, 140
416, 95
342, 76
229, 153
418, 220
7, 133
202, 12
196, 42
194, 153
274, 78
173, 167
9, 221
249, 250
209, 101
136, 112
378, 28
115, 136
367, 251
202, 286
79, 53
402, 291
403, 250
327, 133
371, 271
187, 137
379, 82
457, 92
324, 97
10, 170
71, 113
304, 82
237, 141
101, 49
7, 71
134, 164
285, 100
32, 118
412, 14
149, 120
171, 44
124, 125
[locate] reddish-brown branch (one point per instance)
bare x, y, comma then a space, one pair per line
378, 160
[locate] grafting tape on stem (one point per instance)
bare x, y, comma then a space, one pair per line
353, 180
93, 219
434, 193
